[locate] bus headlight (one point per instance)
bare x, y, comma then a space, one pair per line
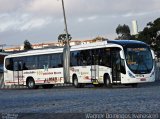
131, 75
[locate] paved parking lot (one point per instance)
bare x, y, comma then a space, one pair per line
69, 102
144, 99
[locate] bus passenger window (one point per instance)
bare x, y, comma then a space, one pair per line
9, 64
122, 68
24, 66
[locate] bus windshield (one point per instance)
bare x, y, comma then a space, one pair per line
139, 60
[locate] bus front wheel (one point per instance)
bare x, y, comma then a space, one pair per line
31, 84
75, 82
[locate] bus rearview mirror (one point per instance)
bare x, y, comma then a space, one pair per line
122, 54
153, 55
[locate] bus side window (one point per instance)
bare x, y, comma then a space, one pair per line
24, 66
9, 64
16, 66
104, 57
95, 57
55, 60
73, 58
122, 67
20, 66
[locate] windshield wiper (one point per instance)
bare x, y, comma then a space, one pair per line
146, 66
141, 61
136, 71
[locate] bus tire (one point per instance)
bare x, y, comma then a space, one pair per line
31, 84
107, 81
47, 86
75, 82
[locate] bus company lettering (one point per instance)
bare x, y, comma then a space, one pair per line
48, 73
84, 73
53, 79
74, 70
39, 72
44, 73
30, 72
57, 72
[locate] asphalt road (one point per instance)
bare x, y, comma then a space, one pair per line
66, 100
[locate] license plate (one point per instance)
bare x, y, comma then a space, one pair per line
143, 79
139, 75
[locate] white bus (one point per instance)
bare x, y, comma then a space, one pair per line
108, 63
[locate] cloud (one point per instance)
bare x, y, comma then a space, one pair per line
109, 7
91, 18
80, 19
131, 14
35, 24
44, 7
22, 22
43, 19
12, 6
78, 7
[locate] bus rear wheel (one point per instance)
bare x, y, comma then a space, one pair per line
107, 81
31, 84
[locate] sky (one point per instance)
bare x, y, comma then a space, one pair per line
41, 21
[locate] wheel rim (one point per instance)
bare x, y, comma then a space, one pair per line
107, 81
75, 82
31, 84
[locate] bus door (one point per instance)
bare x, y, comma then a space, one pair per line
95, 67
18, 72
94, 72
115, 65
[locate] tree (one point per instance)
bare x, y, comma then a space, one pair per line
98, 38
151, 34
123, 32
27, 45
63, 37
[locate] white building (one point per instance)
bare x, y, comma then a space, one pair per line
54, 44
134, 27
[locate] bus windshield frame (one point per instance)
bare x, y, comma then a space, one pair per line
139, 59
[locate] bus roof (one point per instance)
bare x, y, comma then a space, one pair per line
127, 42
107, 43
4, 53
37, 52
94, 45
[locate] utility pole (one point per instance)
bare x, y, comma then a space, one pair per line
2, 46
66, 51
